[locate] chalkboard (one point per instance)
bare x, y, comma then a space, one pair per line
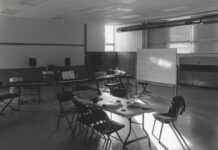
157, 65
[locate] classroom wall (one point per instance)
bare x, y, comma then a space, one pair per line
126, 45
128, 41
48, 41
95, 38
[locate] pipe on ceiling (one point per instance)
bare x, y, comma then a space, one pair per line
156, 24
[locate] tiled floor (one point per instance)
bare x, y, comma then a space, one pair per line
34, 127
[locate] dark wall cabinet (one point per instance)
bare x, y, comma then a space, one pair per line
199, 71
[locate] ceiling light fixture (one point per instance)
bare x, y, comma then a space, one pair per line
174, 9
124, 9
129, 16
31, 2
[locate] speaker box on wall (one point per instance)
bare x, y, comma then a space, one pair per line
32, 62
67, 61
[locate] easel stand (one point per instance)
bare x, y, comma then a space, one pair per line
144, 89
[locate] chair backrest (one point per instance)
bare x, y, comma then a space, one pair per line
81, 107
100, 115
177, 106
65, 96
120, 92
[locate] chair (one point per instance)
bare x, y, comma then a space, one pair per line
177, 107
65, 100
96, 120
119, 92
7, 98
87, 116
106, 129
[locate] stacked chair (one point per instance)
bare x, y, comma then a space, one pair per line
177, 108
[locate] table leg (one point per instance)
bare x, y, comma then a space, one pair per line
127, 137
39, 94
143, 127
98, 87
126, 142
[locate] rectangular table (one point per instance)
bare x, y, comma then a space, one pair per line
76, 82
31, 85
123, 110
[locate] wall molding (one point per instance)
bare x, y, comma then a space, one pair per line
38, 44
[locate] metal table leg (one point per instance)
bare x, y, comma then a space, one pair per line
126, 142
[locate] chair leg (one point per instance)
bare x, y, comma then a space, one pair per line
119, 137
179, 136
109, 141
86, 134
90, 138
105, 141
75, 126
72, 119
59, 117
68, 120
7, 105
159, 139
106, 145
153, 126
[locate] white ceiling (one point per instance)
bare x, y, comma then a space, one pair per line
104, 11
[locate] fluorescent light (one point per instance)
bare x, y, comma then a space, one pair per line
174, 9
31, 2
179, 18
129, 16
124, 1
124, 9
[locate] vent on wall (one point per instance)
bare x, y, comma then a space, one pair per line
31, 2
202, 18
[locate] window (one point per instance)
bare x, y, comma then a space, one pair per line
109, 38
179, 37
182, 48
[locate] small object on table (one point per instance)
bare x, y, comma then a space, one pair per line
112, 104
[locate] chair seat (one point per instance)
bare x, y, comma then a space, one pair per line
119, 92
8, 96
164, 118
95, 116
111, 85
108, 127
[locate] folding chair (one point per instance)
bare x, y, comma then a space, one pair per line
106, 128
7, 98
96, 120
65, 100
177, 107
87, 116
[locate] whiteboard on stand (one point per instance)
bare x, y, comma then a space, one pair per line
157, 65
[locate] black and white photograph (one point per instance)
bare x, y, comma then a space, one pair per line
108, 74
